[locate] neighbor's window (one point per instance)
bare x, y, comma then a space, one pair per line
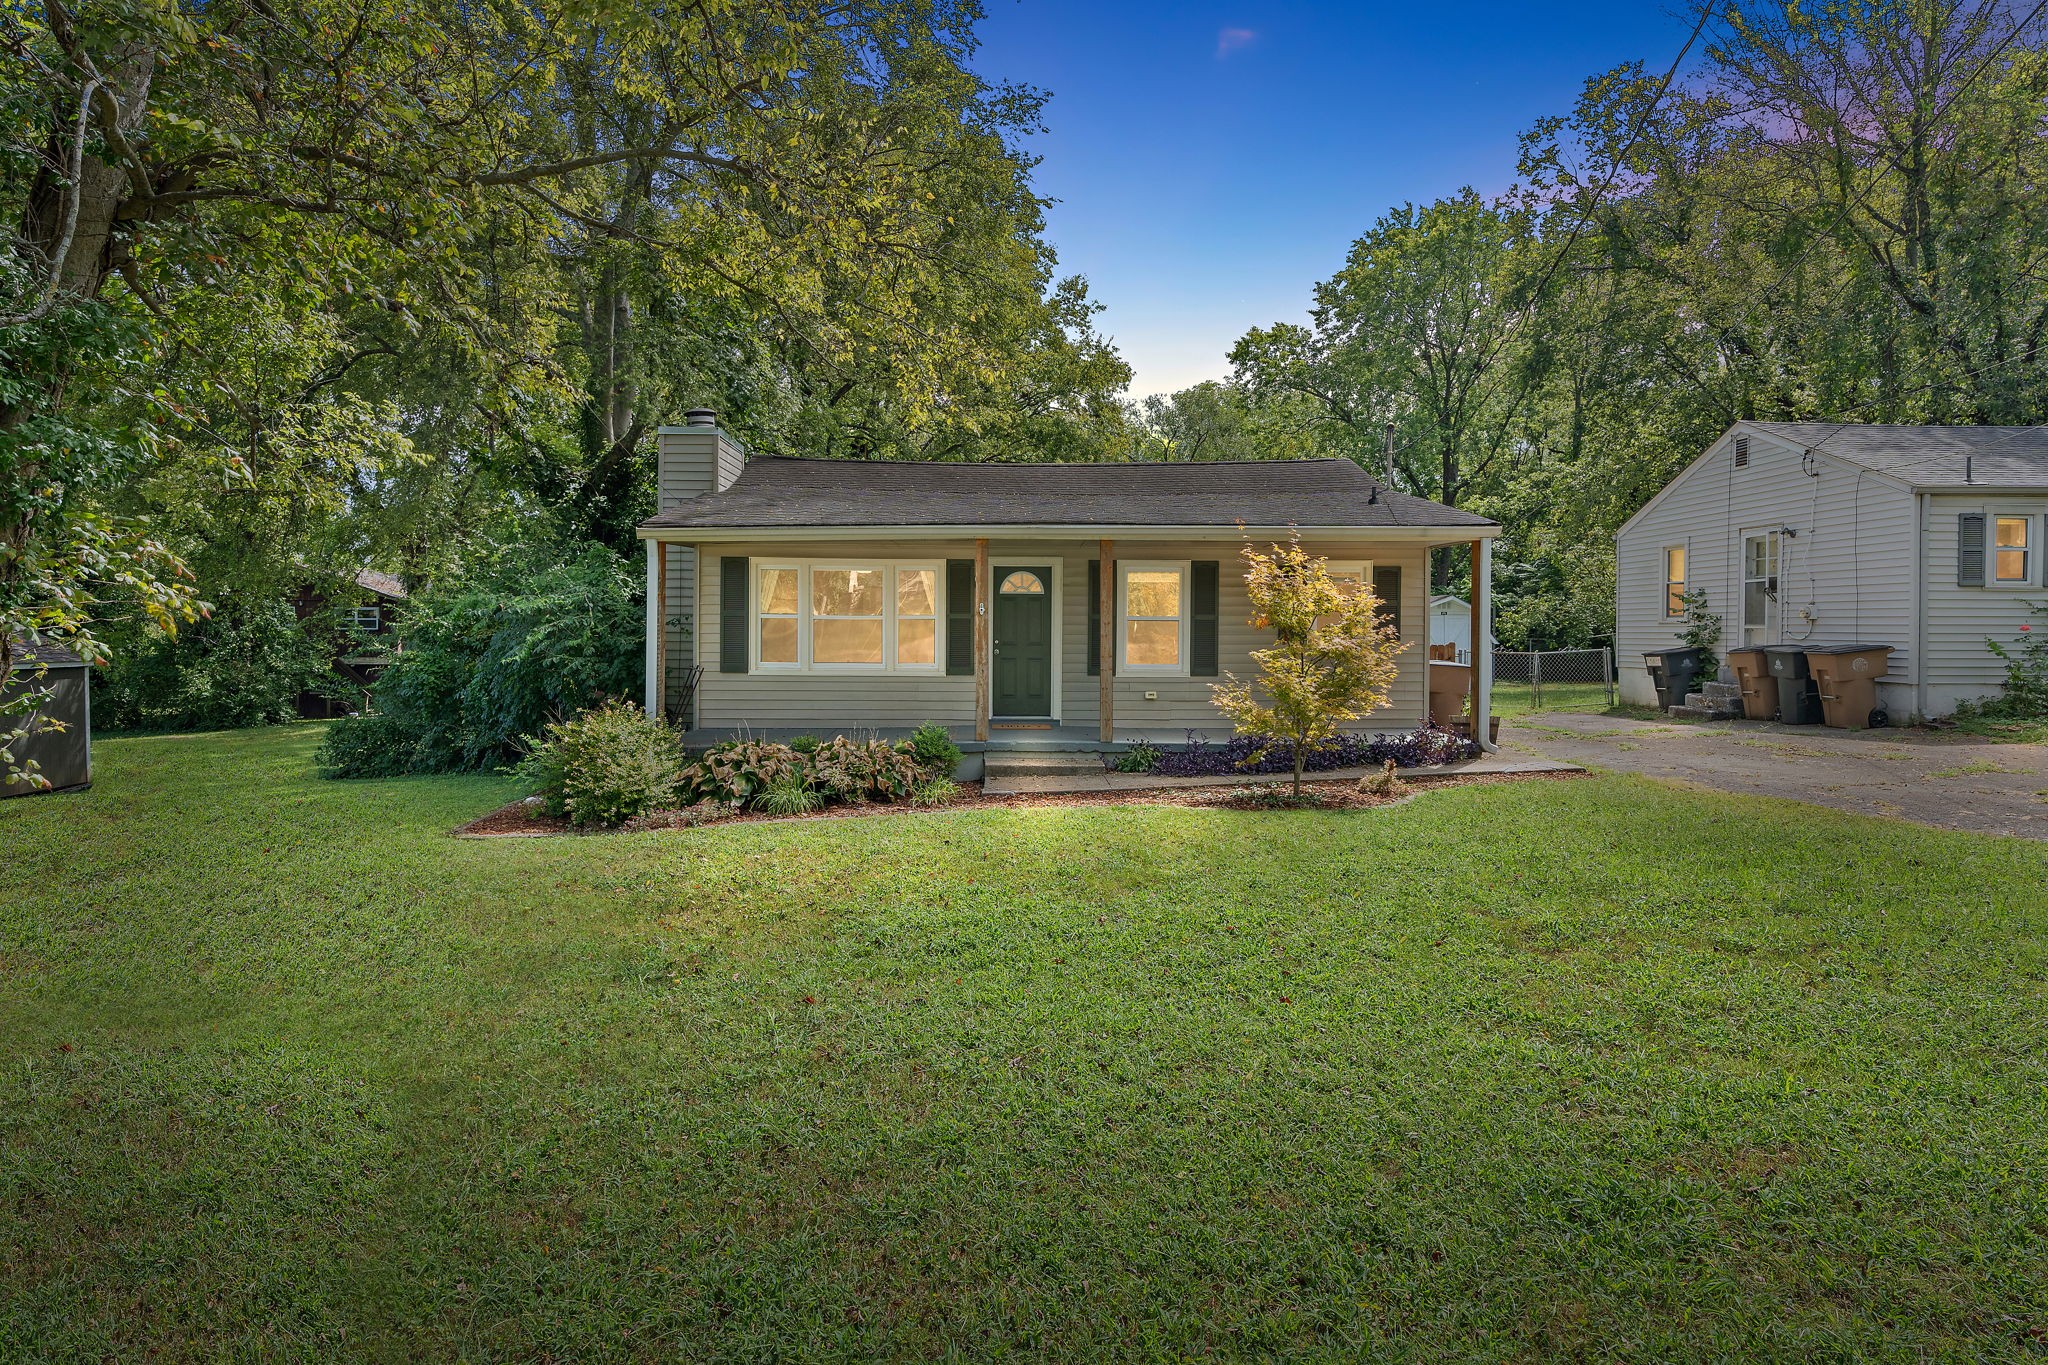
1674, 581
1155, 618
846, 616
2010, 562
369, 620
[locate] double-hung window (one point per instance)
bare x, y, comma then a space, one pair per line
1674, 581
838, 616
368, 620
1152, 637
2012, 557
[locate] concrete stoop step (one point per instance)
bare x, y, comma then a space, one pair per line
1714, 701
1074, 763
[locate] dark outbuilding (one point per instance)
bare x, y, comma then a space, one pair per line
59, 742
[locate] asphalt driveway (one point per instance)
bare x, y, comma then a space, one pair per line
1946, 780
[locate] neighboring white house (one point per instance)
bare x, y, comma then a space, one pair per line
1928, 539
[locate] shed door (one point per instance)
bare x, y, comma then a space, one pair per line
1760, 552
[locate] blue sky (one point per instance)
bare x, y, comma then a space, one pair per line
1212, 161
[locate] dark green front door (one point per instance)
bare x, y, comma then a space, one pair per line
1023, 640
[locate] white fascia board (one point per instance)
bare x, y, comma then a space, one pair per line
1427, 535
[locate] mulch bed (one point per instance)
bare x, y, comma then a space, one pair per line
518, 820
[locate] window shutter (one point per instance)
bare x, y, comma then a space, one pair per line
732, 614
1202, 594
1970, 550
1386, 585
1094, 618
959, 618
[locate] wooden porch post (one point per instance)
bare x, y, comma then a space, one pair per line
660, 628
1106, 645
981, 626
1478, 613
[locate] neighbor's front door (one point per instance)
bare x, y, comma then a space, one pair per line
1023, 641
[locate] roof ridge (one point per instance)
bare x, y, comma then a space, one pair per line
1066, 464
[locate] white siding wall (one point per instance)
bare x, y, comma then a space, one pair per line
726, 700
1850, 566
1958, 620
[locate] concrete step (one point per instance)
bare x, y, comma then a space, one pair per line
1071, 763
1720, 691
1701, 701
1697, 713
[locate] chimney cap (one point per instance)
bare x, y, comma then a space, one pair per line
700, 417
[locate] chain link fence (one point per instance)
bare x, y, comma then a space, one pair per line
1552, 678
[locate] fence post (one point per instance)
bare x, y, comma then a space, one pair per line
1607, 670
1535, 680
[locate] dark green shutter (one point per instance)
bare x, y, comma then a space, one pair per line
1386, 585
1970, 550
1203, 592
959, 618
1094, 618
732, 614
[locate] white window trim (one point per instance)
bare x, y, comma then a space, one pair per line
375, 613
2034, 524
1124, 570
1665, 580
889, 569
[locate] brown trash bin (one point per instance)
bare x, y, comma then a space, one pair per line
1846, 676
1449, 686
1752, 669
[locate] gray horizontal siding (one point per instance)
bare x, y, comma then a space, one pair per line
842, 701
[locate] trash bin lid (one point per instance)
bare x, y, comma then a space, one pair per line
1845, 649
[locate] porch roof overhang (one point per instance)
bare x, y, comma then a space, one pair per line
1400, 535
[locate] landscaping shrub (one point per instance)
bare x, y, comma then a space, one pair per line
1261, 754
1139, 758
245, 664
606, 766
2026, 677
935, 792
375, 745
788, 796
806, 744
866, 770
735, 772
933, 747
494, 658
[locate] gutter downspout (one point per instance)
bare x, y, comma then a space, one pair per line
1922, 505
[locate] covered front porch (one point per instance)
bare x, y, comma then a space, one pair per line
1017, 643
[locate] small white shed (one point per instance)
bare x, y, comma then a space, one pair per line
1450, 623
1928, 539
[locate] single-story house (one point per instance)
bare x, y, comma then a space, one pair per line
61, 751
1098, 602
369, 613
1925, 538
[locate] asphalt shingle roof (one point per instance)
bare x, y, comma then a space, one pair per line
28, 656
1929, 457
781, 491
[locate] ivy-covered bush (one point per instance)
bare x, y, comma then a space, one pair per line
375, 745
494, 658
605, 766
1259, 754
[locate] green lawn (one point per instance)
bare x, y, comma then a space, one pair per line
1519, 699
1592, 1069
